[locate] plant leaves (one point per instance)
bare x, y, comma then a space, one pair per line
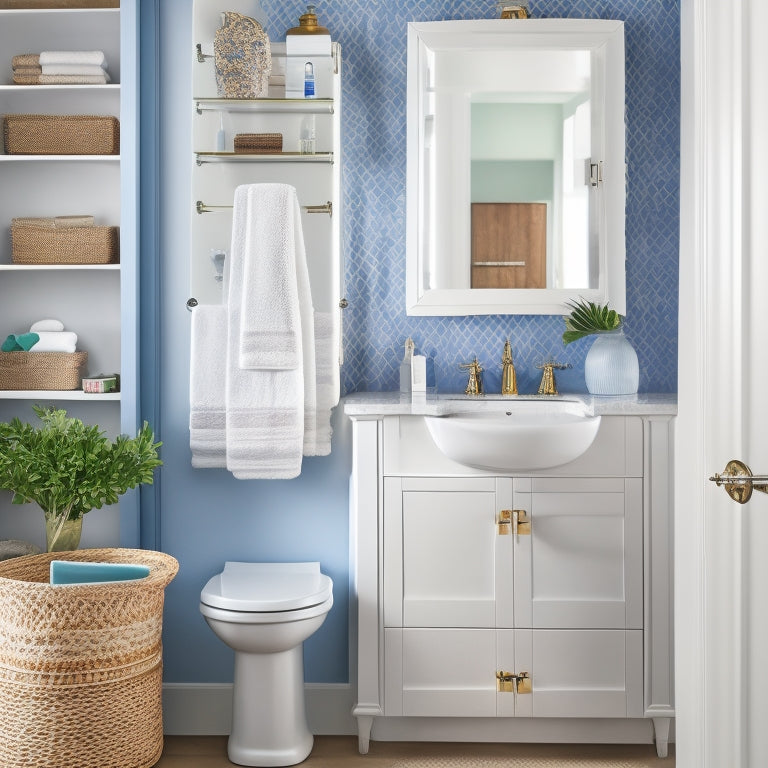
587, 318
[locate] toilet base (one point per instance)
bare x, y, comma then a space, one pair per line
269, 722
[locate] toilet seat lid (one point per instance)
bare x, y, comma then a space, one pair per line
266, 587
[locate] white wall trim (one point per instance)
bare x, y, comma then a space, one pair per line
205, 709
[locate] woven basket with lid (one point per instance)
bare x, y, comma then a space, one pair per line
81, 664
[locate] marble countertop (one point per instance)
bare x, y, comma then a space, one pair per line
374, 404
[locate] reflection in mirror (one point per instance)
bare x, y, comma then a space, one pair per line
515, 165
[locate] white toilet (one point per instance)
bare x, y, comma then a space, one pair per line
264, 612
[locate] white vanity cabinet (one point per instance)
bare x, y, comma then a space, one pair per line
527, 607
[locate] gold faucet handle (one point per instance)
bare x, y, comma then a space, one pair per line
475, 383
548, 385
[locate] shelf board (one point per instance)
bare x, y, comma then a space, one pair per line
14, 88
44, 394
58, 158
244, 157
39, 267
314, 106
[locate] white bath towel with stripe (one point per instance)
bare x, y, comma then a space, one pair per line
328, 378
207, 412
271, 407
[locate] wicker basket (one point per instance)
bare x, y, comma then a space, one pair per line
259, 143
81, 665
61, 135
41, 370
41, 241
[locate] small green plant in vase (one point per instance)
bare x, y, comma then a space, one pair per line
587, 318
611, 366
69, 468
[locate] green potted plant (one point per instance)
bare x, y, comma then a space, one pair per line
69, 468
611, 366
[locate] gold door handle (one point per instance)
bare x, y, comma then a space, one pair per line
739, 481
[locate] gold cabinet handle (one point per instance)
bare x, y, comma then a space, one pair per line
514, 521
739, 481
509, 682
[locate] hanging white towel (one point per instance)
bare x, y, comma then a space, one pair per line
270, 392
328, 383
207, 414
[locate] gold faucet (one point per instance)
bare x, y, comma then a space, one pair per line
508, 375
475, 383
548, 385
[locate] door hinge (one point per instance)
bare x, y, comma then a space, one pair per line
514, 521
595, 173
509, 682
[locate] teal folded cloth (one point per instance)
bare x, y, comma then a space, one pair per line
20, 342
71, 572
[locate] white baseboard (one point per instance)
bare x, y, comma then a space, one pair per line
205, 709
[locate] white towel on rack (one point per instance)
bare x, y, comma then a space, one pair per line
95, 58
270, 327
328, 378
207, 413
270, 393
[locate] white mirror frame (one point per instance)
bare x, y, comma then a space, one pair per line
605, 41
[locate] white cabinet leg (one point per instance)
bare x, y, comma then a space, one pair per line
661, 731
364, 725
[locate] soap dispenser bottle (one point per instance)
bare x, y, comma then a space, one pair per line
405, 366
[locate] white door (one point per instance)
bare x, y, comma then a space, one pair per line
721, 579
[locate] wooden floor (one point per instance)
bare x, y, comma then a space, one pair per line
341, 751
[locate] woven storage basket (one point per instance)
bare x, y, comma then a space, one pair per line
81, 665
61, 135
33, 243
41, 370
259, 143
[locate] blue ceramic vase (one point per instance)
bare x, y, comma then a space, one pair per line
611, 366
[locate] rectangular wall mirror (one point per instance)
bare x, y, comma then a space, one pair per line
516, 169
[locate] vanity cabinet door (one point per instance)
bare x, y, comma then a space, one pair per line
581, 567
453, 672
445, 564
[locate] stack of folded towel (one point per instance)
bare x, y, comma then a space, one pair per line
43, 336
60, 68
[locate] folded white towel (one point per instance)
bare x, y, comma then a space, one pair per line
269, 408
83, 70
207, 414
55, 341
95, 58
47, 325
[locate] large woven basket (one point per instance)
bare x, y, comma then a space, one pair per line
61, 135
42, 370
35, 242
81, 665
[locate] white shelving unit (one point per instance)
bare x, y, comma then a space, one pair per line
98, 302
216, 174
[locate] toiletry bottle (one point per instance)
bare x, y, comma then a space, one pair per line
221, 136
405, 366
309, 80
307, 140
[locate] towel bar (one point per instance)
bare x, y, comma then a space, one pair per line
202, 207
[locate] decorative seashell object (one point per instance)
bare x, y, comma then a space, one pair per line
242, 57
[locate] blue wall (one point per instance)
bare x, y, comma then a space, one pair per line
205, 516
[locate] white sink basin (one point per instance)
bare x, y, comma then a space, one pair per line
516, 435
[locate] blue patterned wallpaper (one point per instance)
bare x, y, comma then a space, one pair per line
373, 39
